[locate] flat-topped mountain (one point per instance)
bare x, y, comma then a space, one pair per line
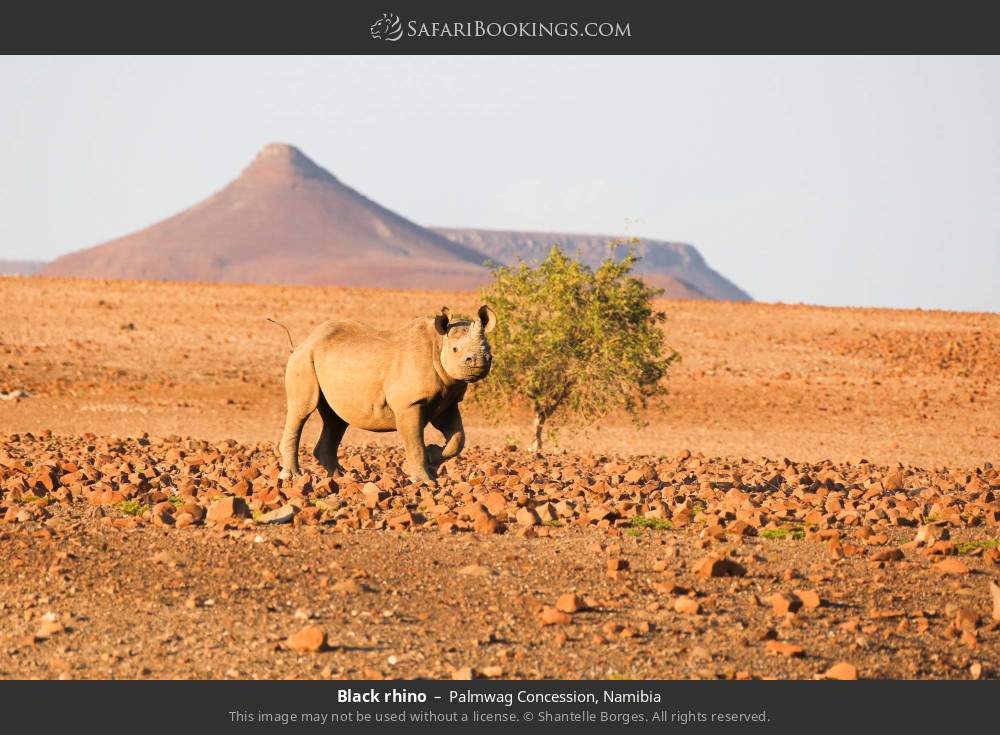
676, 267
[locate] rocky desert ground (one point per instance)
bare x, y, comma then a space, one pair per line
818, 496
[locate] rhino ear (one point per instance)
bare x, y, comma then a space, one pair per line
441, 324
487, 318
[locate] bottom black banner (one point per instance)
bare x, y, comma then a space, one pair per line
293, 706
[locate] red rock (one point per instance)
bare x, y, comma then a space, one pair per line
310, 516
951, 566
546, 513
495, 503
834, 549
228, 509
687, 606
942, 548
162, 514
569, 603
966, 619
612, 629
716, 567
810, 598
196, 511
400, 521
348, 587
48, 628
741, 528
463, 673
600, 513
644, 473
894, 481
785, 649
891, 554
842, 671
617, 565
373, 494
784, 604
929, 533
526, 517
486, 525
715, 531
552, 616
310, 639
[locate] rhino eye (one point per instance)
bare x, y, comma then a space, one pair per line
454, 349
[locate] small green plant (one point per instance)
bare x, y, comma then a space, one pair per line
793, 532
698, 507
132, 507
555, 523
636, 532
176, 500
659, 524
964, 547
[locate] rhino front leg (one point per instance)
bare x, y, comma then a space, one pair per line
448, 423
410, 425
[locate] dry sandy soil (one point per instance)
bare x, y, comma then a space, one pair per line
835, 466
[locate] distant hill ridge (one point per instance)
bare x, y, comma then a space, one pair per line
660, 260
285, 219
20, 267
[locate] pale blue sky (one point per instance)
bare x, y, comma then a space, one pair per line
860, 181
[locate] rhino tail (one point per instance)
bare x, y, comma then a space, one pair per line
291, 345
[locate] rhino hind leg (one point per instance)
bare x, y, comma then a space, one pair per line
302, 394
329, 439
289, 446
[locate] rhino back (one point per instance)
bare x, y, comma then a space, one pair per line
363, 371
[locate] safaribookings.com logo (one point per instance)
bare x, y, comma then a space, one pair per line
390, 28
387, 28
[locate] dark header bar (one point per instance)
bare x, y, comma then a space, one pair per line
449, 27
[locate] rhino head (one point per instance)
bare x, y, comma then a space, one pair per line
465, 352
